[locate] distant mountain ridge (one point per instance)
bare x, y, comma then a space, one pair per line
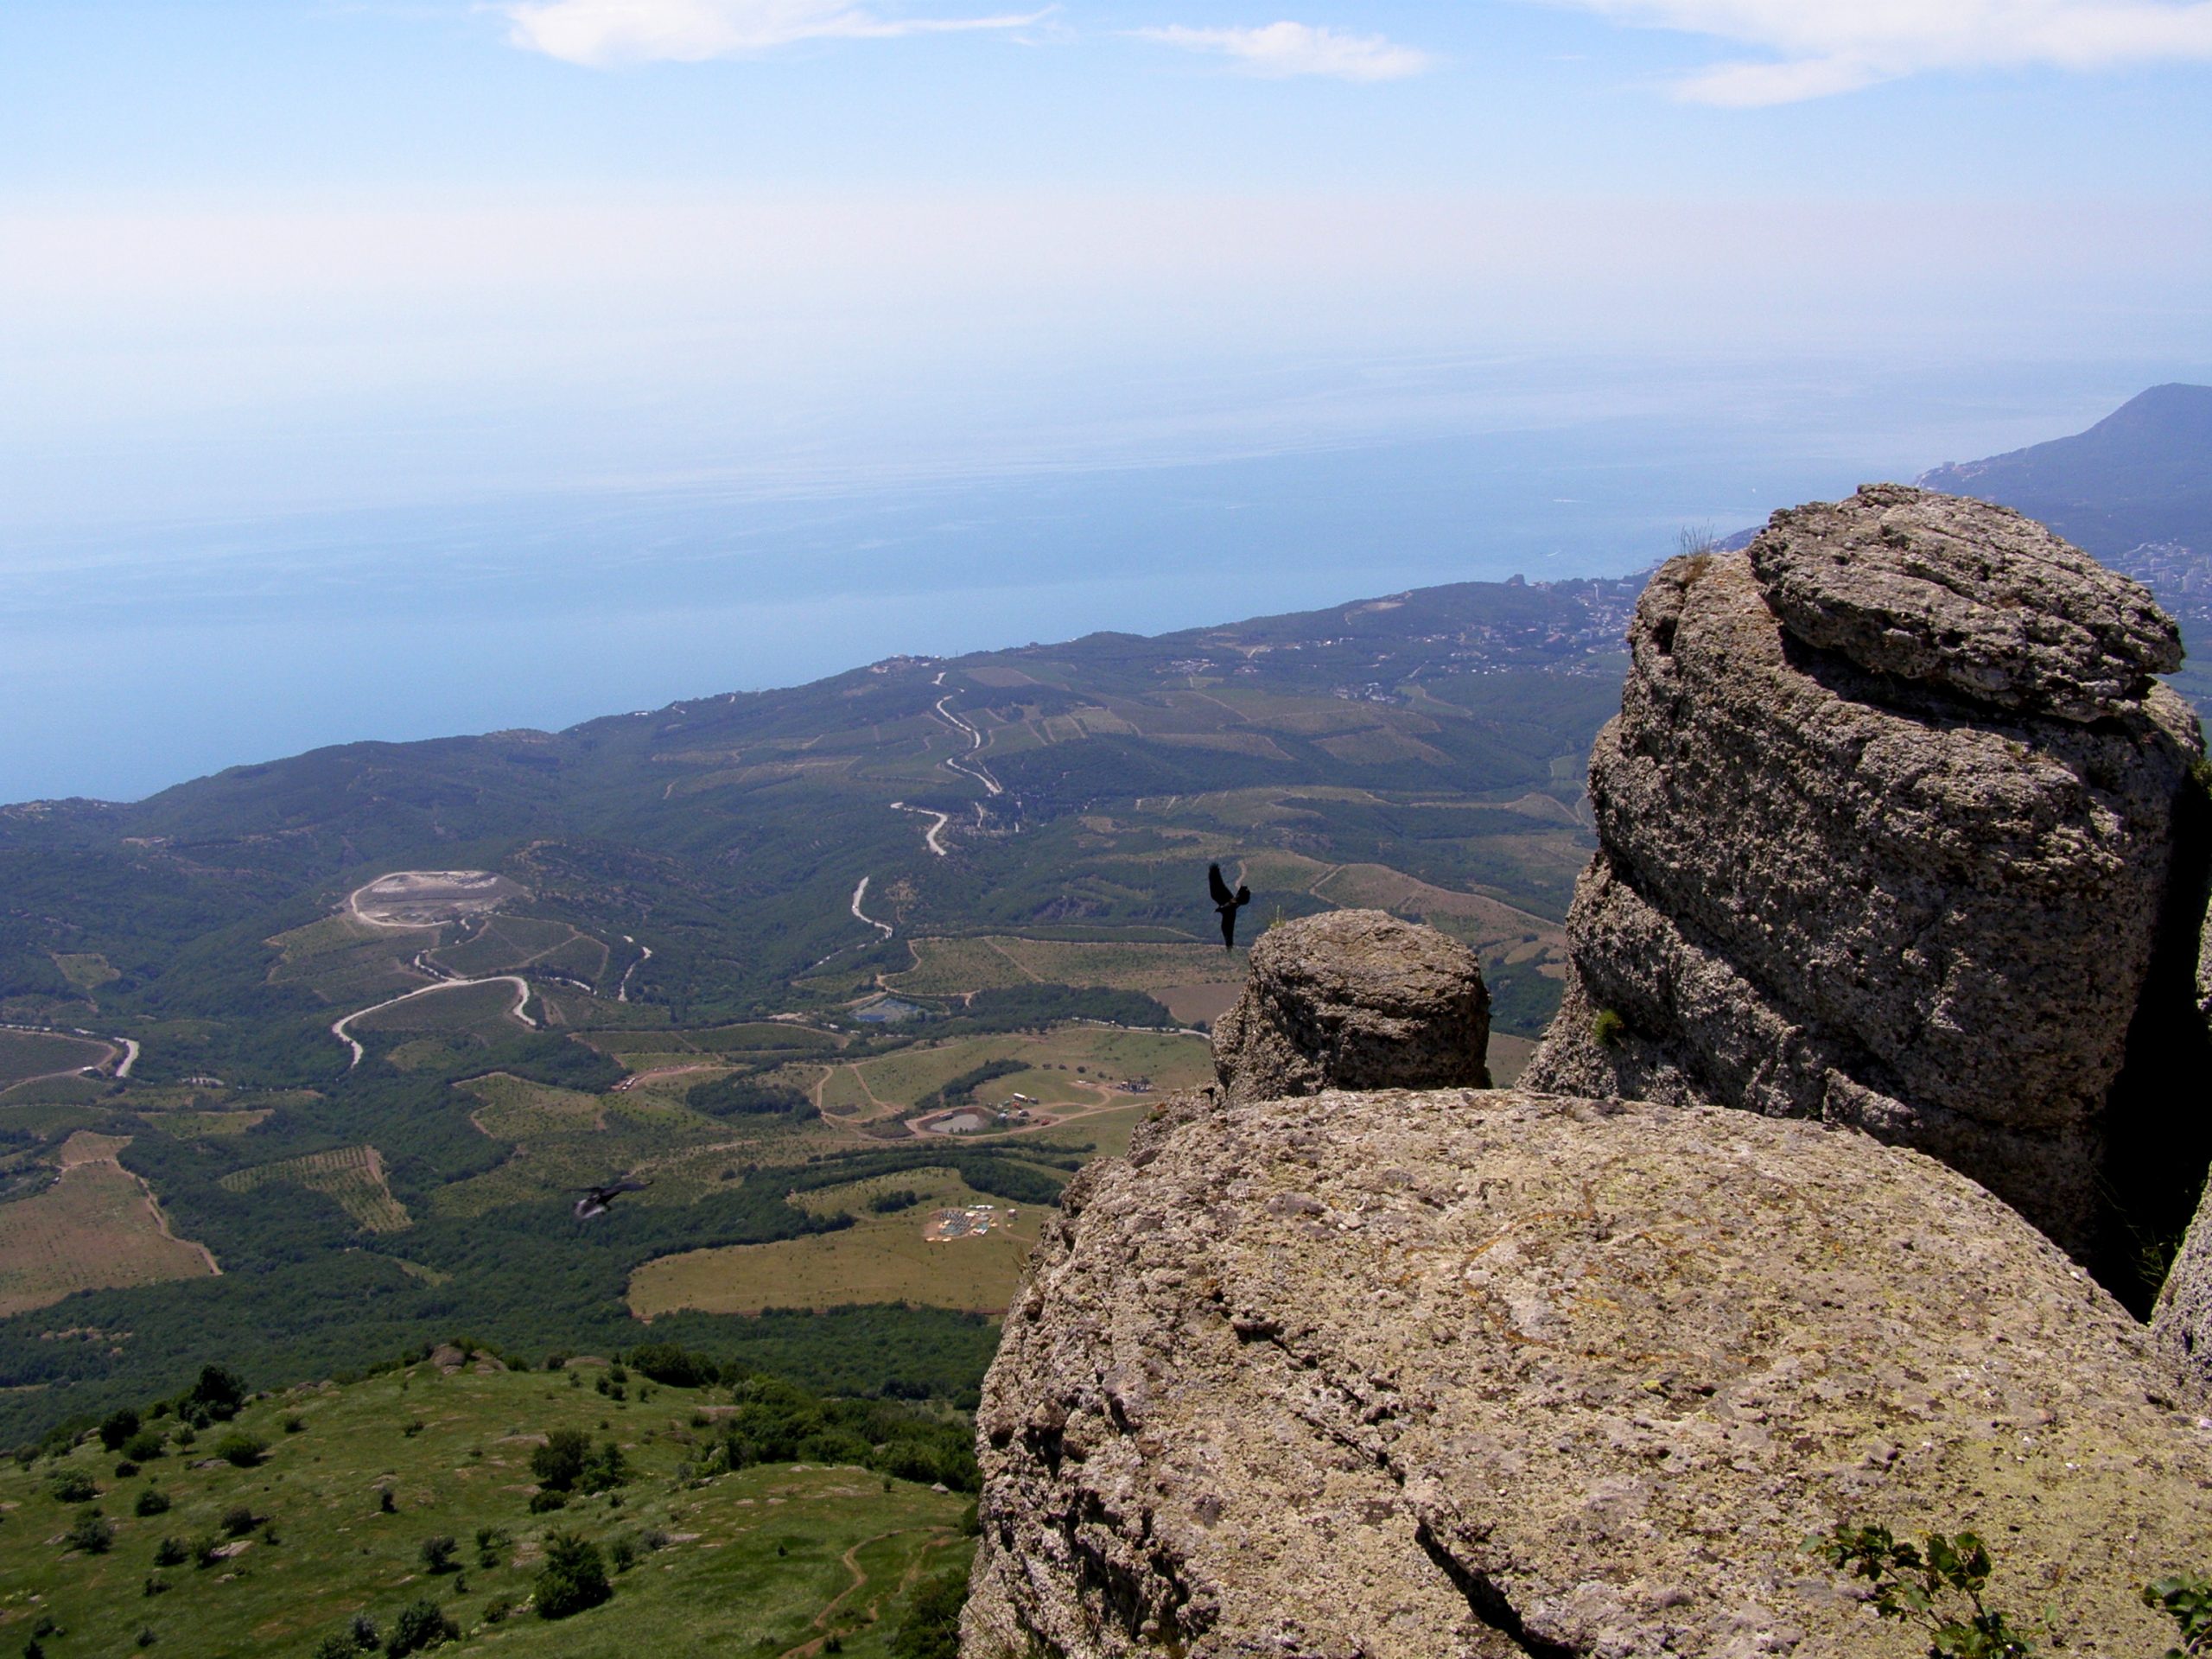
2135, 490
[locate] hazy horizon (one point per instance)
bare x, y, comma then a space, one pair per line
390, 370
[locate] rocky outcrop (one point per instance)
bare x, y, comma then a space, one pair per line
1958, 592
1887, 825
1355, 999
1489, 1373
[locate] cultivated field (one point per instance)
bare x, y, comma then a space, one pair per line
1070, 1069
878, 1259
97, 1227
345, 961
28, 1054
487, 1009
352, 1176
770, 1560
507, 944
948, 967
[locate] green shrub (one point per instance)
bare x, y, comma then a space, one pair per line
1607, 1028
421, 1624
144, 1447
238, 1519
90, 1533
573, 1579
623, 1553
242, 1450
546, 1501
1938, 1584
152, 1501
339, 1644
437, 1553
2187, 1599
171, 1552
118, 1427
891, 1202
72, 1486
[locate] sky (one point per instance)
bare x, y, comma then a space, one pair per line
485, 275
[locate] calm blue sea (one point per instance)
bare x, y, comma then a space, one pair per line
135, 657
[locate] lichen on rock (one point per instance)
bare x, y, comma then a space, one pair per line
1416, 1376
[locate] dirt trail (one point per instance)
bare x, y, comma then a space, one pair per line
873, 1613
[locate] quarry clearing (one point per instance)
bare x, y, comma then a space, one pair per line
431, 898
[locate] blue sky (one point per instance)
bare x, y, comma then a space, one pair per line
517, 272
296, 252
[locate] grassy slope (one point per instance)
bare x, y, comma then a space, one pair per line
725, 1588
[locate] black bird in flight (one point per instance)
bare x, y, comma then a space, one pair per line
596, 1198
1228, 903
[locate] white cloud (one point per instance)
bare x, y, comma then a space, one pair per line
1285, 49
1825, 46
601, 32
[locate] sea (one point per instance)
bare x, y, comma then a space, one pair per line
138, 652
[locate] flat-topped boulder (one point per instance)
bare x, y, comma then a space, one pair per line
1478, 1374
1355, 999
1967, 595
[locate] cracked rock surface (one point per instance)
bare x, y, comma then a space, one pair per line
1966, 594
1846, 872
1355, 999
1487, 1374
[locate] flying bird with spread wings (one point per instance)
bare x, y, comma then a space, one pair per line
1228, 903
596, 1200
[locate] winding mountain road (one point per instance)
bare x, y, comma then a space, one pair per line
979, 771
860, 892
934, 836
522, 1001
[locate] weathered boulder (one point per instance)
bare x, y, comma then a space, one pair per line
1491, 1374
1966, 594
1825, 889
1355, 999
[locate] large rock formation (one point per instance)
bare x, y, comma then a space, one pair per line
1488, 1373
1886, 832
1355, 999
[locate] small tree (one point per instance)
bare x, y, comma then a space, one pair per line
144, 1447
573, 1579
437, 1553
118, 1427
421, 1624
90, 1533
218, 1392
559, 1462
